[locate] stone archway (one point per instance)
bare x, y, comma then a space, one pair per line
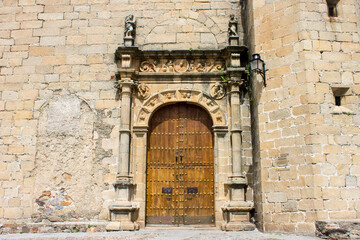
183, 95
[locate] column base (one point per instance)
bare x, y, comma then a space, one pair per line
237, 216
122, 217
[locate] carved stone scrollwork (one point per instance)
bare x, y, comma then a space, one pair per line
217, 91
147, 67
182, 65
143, 91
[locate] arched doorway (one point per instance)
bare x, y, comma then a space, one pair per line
180, 167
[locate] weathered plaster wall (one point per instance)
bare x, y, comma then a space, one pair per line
309, 55
66, 162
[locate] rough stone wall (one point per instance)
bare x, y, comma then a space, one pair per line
307, 148
58, 49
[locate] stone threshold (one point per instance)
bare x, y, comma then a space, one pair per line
52, 227
180, 227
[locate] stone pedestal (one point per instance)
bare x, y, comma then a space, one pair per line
128, 41
122, 217
237, 212
233, 41
123, 212
237, 216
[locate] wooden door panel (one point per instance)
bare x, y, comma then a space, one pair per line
180, 156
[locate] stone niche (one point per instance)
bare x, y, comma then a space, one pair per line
68, 180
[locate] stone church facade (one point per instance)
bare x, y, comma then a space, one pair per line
139, 113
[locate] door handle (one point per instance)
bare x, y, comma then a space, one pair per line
177, 155
181, 156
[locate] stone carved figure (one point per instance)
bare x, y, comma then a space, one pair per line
233, 26
181, 65
129, 33
217, 91
143, 91
130, 23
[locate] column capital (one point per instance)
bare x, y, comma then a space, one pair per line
124, 85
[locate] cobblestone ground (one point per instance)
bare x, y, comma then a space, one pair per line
160, 234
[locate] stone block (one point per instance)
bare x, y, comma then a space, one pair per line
337, 181
306, 227
276, 197
52, 41
351, 181
13, 213
290, 206
54, 60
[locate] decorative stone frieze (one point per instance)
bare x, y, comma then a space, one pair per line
181, 61
183, 65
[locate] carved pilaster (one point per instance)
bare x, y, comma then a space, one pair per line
122, 210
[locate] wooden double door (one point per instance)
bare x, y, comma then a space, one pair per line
180, 167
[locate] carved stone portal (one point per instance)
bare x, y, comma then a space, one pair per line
193, 77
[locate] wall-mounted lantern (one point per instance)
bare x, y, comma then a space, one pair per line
257, 65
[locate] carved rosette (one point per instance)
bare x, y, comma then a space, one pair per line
143, 91
217, 91
182, 65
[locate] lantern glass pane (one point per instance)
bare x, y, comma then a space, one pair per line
254, 65
260, 65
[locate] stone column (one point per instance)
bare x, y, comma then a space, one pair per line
236, 84
237, 174
124, 158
